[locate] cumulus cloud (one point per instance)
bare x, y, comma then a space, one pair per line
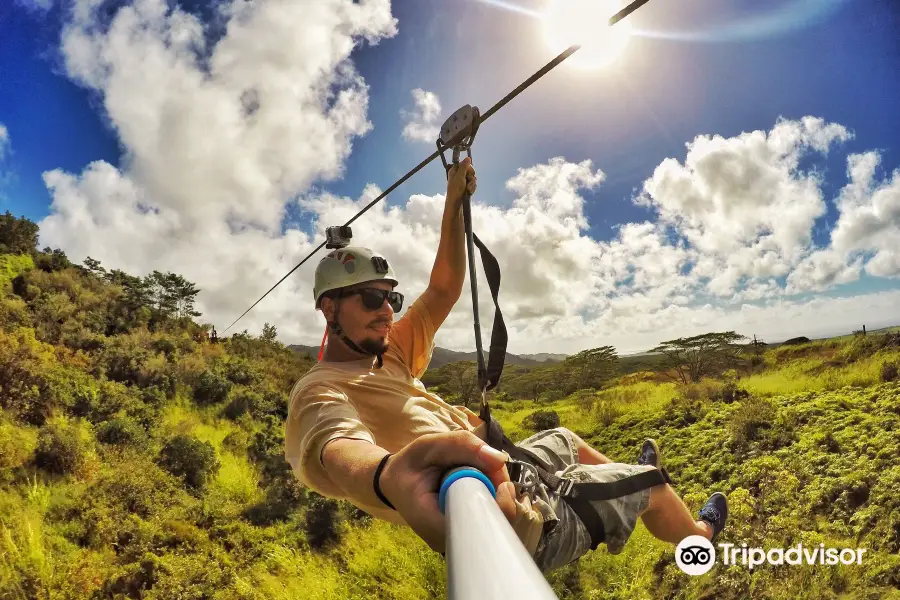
5, 145
219, 139
4, 141
423, 122
743, 202
41, 6
223, 137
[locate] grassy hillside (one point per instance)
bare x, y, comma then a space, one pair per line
140, 460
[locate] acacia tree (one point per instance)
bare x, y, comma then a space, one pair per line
463, 381
590, 368
706, 354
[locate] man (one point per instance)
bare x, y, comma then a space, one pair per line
362, 427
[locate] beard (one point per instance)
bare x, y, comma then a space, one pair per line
374, 346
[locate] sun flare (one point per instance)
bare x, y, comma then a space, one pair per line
584, 22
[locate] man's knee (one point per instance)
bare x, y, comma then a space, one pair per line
576, 440
661, 495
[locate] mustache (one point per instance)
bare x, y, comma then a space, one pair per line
380, 322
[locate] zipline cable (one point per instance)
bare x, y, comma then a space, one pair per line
518, 90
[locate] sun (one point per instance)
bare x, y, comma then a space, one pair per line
585, 22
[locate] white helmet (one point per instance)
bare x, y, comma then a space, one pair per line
347, 266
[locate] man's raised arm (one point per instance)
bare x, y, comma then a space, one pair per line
449, 271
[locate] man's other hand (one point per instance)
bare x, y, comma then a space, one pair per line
411, 479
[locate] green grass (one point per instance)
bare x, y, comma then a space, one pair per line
814, 375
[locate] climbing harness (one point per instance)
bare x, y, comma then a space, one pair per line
525, 468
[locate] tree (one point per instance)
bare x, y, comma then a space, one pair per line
52, 260
171, 296
93, 266
590, 368
463, 381
269, 333
694, 357
17, 236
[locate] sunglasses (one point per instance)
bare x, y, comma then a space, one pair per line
373, 298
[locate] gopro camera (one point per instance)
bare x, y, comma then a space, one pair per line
337, 237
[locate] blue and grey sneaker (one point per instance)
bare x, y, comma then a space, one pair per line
649, 453
715, 512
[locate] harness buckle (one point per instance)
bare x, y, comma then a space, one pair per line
565, 488
523, 475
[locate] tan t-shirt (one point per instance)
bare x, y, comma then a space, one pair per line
389, 406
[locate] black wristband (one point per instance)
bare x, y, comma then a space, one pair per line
375, 481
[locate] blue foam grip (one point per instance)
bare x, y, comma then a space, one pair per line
458, 474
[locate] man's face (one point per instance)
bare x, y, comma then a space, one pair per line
367, 328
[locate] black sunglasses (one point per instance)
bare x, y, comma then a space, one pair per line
373, 298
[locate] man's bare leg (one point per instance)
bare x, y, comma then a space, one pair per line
666, 516
587, 455
669, 520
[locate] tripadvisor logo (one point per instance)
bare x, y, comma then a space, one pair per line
695, 555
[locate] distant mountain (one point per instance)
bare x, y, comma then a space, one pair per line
545, 357
442, 356
313, 351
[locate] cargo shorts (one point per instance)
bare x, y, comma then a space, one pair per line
569, 538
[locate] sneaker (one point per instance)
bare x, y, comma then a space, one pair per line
715, 512
649, 454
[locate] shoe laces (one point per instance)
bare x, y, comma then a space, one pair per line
712, 512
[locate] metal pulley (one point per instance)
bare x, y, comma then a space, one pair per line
458, 133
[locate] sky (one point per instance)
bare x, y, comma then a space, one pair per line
734, 166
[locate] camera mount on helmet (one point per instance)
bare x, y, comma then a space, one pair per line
338, 236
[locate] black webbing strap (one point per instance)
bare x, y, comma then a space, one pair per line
499, 338
497, 353
603, 490
580, 494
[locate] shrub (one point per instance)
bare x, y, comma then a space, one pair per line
242, 402
683, 411
190, 459
705, 389
62, 448
236, 442
267, 450
607, 412
541, 420
889, 371
283, 497
749, 419
121, 432
211, 389
731, 392
17, 444
323, 521
241, 372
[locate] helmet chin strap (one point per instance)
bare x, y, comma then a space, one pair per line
336, 329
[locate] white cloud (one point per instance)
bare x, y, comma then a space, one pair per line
219, 141
42, 6
742, 202
422, 123
4, 141
5, 145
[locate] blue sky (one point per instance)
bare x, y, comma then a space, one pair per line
712, 68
